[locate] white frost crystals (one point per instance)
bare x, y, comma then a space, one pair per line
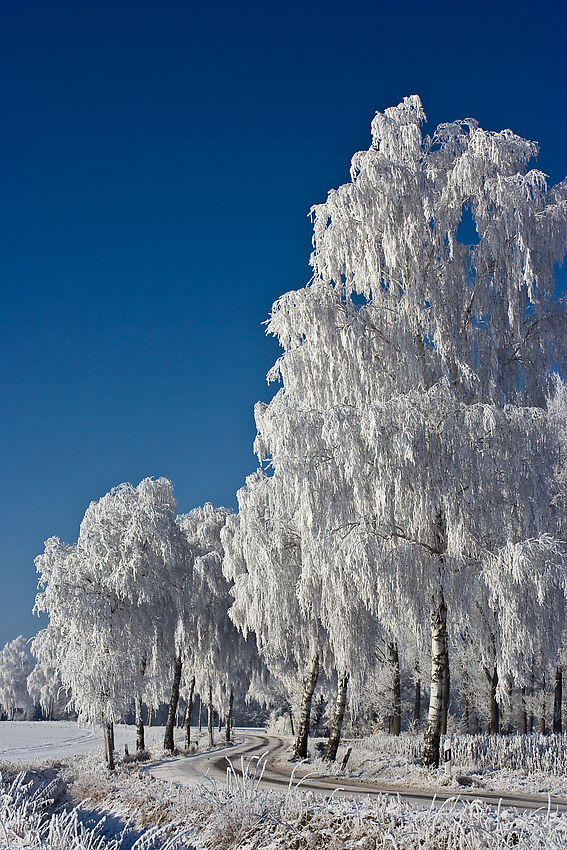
15, 666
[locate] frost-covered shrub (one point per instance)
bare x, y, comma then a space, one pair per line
26, 821
530, 753
526, 753
237, 809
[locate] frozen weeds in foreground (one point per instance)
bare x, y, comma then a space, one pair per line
136, 813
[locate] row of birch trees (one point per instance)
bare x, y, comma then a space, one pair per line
138, 610
410, 504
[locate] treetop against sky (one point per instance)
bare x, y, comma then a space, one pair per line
161, 160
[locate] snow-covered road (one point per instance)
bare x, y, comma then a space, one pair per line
191, 770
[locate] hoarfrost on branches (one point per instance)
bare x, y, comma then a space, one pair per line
411, 441
110, 596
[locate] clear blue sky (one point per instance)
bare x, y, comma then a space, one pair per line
158, 161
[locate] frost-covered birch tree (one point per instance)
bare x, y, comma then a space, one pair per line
411, 439
263, 558
218, 657
111, 600
262, 561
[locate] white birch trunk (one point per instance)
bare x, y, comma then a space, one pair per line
140, 741
337, 724
210, 726
432, 736
188, 712
309, 685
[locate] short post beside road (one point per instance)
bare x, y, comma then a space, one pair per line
447, 759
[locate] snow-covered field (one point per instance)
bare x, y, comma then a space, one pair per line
94, 809
27, 741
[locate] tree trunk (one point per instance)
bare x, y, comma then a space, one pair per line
396, 718
171, 714
338, 716
542, 706
432, 736
108, 745
228, 718
558, 702
465, 720
291, 722
417, 701
140, 742
532, 691
508, 726
524, 712
188, 712
200, 713
446, 688
210, 718
309, 685
494, 708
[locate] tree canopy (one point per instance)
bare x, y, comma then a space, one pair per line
415, 435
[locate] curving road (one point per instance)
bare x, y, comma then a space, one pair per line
192, 770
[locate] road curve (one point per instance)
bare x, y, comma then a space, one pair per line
193, 769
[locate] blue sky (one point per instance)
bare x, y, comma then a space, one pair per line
159, 160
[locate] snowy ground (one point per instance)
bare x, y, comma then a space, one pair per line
31, 742
96, 809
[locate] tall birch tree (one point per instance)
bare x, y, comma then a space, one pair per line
411, 438
219, 658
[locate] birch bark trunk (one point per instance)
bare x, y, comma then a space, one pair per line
494, 726
108, 745
558, 702
432, 736
171, 714
465, 721
446, 688
210, 727
188, 712
338, 717
309, 685
396, 719
228, 718
542, 706
417, 701
140, 741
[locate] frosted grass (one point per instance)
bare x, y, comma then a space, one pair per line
137, 813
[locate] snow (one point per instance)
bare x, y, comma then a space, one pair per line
128, 810
30, 742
